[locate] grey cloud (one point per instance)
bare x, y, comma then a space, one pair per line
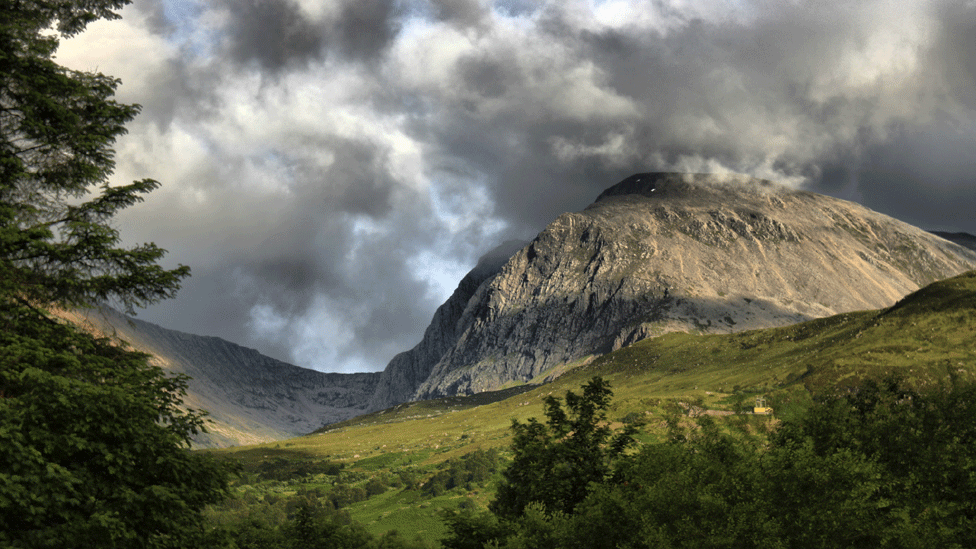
155, 14
273, 33
484, 77
375, 297
462, 13
954, 52
365, 28
277, 34
726, 91
180, 91
296, 248
927, 178
363, 175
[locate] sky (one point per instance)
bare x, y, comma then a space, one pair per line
331, 169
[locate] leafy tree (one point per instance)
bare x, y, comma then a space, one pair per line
468, 529
466, 472
698, 491
554, 468
375, 487
917, 453
305, 520
326, 528
882, 466
343, 495
93, 440
555, 463
57, 127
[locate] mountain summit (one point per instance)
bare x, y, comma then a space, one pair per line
662, 252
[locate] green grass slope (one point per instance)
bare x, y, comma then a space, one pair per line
927, 337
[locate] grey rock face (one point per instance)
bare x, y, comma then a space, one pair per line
251, 398
660, 253
408, 370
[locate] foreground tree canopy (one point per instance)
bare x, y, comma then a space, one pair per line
93, 442
883, 466
555, 463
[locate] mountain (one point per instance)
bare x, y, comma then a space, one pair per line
659, 253
398, 382
251, 398
656, 253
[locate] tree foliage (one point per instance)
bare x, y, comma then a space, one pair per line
93, 439
57, 128
93, 444
306, 520
920, 447
881, 466
467, 471
555, 463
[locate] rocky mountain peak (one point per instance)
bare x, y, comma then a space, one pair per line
690, 186
664, 252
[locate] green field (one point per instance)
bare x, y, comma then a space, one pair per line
926, 338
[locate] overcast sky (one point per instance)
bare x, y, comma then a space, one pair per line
332, 168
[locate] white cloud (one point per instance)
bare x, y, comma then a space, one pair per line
124, 49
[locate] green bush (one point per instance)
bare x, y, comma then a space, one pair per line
467, 472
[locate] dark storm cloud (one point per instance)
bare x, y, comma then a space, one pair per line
924, 170
955, 51
362, 173
792, 93
365, 28
278, 34
484, 77
321, 274
320, 262
925, 178
462, 13
273, 33
155, 17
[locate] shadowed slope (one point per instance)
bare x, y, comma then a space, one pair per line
251, 398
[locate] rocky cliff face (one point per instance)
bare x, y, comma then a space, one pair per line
251, 398
659, 253
408, 370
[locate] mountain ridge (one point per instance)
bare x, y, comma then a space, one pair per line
250, 397
662, 252
397, 382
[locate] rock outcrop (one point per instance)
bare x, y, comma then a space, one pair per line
251, 398
408, 370
658, 253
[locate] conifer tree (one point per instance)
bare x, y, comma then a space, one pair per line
93, 438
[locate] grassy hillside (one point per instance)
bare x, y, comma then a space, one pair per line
927, 337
